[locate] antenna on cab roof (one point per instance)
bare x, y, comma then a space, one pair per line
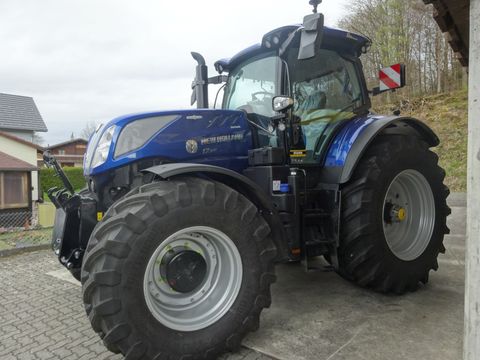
315, 4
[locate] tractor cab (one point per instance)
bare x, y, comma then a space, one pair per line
313, 74
323, 91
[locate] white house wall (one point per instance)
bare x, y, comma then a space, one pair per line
24, 135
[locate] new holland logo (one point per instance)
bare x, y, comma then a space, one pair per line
194, 117
191, 146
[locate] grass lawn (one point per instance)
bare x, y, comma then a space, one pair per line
10, 240
447, 115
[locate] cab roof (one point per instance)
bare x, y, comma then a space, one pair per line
335, 39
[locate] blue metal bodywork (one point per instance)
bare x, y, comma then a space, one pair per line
223, 139
340, 147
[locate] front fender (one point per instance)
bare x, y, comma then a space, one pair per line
354, 138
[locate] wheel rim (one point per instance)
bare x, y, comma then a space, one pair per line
176, 295
408, 215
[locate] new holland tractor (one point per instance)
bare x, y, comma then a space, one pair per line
186, 212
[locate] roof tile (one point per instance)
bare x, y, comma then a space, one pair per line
8, 162
20, 113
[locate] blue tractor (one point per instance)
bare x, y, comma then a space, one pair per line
187, 212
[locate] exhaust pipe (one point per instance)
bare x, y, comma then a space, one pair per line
200, 84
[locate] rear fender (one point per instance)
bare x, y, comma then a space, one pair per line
236, 181
351, 142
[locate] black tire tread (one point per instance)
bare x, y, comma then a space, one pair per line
360, 261
111, 243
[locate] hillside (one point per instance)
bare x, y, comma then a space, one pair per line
446, 114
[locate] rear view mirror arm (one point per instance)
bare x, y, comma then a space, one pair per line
376, 91
218, 79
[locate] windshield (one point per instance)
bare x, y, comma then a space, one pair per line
252, 85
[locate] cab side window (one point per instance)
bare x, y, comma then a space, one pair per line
322, 88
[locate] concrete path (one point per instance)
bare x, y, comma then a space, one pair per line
321, 316
313, 316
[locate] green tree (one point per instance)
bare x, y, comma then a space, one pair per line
404, 31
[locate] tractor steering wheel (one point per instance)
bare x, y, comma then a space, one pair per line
264, 93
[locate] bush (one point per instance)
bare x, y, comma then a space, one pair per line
48, 178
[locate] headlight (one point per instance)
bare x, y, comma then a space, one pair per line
138, 132
101, 151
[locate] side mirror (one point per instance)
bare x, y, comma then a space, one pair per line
312, 36
391, 78
282, 103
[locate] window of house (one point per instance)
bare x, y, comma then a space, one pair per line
13, 190
61, 152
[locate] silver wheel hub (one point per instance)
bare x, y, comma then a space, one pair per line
408, 215
193, 278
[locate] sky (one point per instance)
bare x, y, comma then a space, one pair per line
89, 61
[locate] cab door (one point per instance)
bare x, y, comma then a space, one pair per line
326, 90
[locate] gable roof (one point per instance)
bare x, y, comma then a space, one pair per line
21, 141
72, 141
20, 113
8, 162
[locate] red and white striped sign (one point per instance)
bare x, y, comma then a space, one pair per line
390, 77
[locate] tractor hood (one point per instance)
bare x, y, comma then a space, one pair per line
216, 137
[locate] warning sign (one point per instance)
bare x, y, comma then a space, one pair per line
391, 77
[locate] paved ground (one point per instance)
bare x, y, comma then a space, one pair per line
313, 316
42, 317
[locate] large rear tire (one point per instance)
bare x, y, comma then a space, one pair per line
394, 214
178, 269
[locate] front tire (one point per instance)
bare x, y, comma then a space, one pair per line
394, 214
178, 269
